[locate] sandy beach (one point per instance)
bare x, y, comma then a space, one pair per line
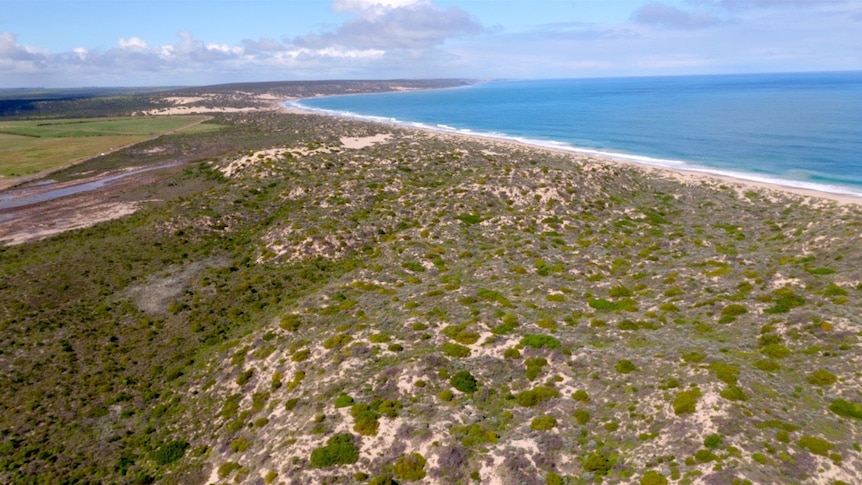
689, 177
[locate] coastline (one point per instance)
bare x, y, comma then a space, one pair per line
684, 175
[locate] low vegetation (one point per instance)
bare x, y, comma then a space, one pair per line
286, 309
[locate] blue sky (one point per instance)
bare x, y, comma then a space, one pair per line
72, 43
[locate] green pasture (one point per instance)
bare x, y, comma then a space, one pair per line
28, 147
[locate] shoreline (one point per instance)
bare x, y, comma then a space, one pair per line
684, 175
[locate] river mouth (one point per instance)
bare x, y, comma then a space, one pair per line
45, 190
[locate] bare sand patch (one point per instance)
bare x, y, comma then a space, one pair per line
84, 215
184, 99
364, 141
189, 110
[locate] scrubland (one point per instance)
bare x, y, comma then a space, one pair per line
319, 300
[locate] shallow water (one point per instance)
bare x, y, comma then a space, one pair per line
20, 197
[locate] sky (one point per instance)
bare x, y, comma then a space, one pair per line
84, 43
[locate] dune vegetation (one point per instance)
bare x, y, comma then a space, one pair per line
319, 300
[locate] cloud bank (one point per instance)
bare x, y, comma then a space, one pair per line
378, 34
421, 39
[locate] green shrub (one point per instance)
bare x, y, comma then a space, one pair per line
337, 340
456, 351
410, 467
734, 310
653, 477
297, 380
464, 382
469, 219
712, 441
504, 328
461, 335
547, 323
554, 479
532, 397
258, 401
301, 355
725, 372
820, 271
379, 338
767, 365
625, 366
693, 357
494, 296
733, 393
365, 420
270, 477
538, 341
785, 299
777, 424
685, 402
582, 416
227, 468
474, 434
291, 322
413, 266
170, 452
512, 353
603, 305
445, 395
343, 400
239, 445
382, 480
543, 268
846, 408
822, 377
704, 456
815, 445
834, 290
581, 396
619, 291
597, 463
276, 382
543, 423
776, 351
670, 383
668, 307
339, 450
534, 366
244, 377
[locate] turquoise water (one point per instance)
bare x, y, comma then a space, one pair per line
802, 130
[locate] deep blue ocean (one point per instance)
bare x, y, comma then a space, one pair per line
801, 130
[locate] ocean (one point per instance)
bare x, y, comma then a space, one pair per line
801, 130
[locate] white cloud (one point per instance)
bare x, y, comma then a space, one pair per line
419, 38
133, 43
394, 24
371, 5
11, 49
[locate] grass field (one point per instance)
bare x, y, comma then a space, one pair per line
29, 147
